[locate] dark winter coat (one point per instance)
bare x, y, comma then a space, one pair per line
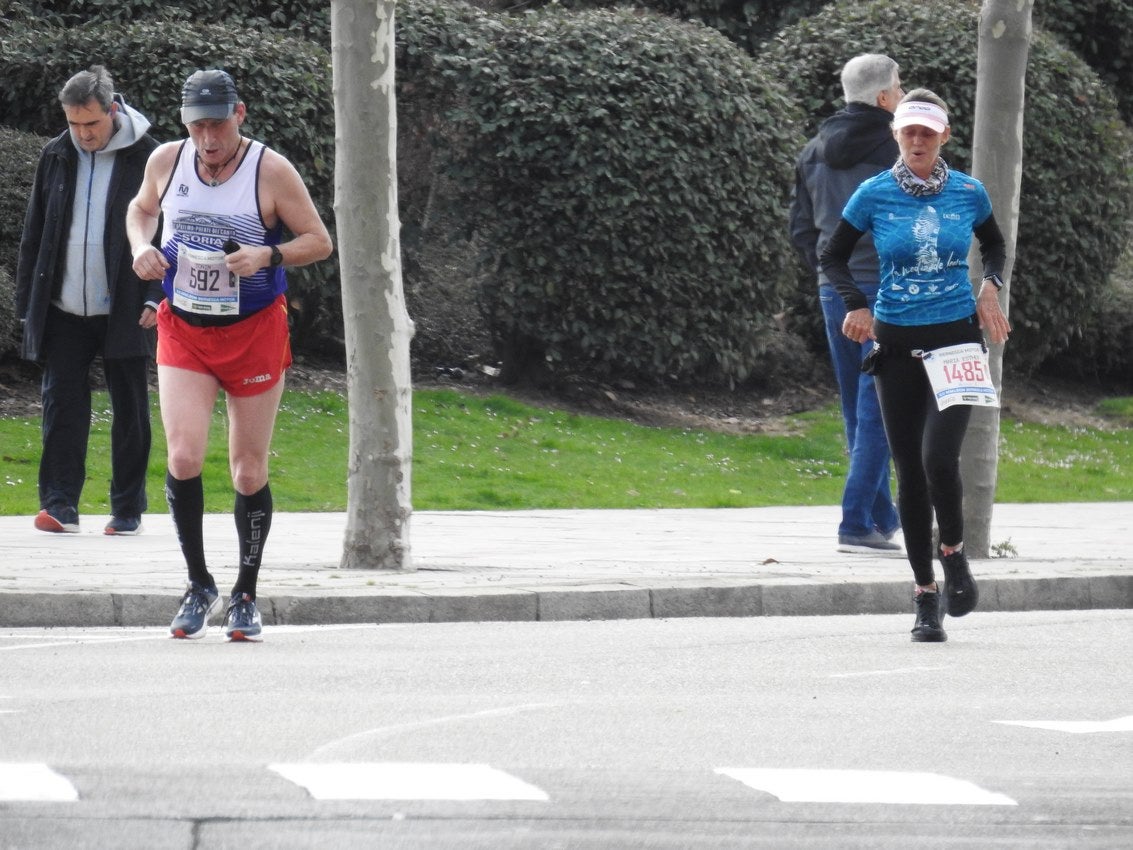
851, 146
39, 272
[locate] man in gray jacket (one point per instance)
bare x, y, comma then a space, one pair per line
78, 298
852, 145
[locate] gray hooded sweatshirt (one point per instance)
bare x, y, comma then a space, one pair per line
85, 290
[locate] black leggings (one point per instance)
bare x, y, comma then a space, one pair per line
925, 442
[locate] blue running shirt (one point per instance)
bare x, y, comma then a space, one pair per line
923, 243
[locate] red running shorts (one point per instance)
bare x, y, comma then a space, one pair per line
246, 358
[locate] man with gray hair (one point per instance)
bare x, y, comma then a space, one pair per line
78, 298
852, 145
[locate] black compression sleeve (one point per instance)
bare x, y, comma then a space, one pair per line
993, 247
835, 262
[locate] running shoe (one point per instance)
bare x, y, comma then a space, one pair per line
58, 520
959, 586
192, 620
242, 620
930, 608
124, 525
873, 543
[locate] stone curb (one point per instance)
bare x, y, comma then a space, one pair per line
590, 602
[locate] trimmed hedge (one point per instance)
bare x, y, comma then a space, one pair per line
285, 81
1101, 33
308, 19
627, 177
747, 23
1077, 180
19, 155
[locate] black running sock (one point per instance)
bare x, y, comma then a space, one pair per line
253, 522
186, 500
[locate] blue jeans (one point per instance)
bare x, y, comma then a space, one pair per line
867, 503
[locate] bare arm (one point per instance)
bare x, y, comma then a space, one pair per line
144, 213
284, 197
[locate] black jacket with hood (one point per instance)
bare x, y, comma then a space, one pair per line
851, 146
43, 246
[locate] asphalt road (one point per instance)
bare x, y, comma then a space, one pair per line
686, 733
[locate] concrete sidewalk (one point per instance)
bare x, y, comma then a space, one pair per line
557, 565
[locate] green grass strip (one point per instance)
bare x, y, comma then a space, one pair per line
494, 453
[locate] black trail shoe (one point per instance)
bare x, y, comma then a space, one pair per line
959, 586
927, 628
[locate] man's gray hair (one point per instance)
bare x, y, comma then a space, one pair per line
865, 77
95, 83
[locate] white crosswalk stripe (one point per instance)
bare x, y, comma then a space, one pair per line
407, 781
1076, 727
865, 786
30, 782
36, 782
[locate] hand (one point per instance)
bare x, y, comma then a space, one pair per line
246, 260
858, 325
148, 318
992, 319
150, 263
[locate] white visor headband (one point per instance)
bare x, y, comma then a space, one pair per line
919, 112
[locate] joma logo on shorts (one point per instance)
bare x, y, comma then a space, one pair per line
259, 379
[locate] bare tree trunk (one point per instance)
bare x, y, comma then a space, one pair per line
997, 161
378, 328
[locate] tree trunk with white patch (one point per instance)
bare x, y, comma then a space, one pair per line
997, 161
377, 325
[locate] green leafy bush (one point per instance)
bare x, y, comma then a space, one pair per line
9, 324
1101, 33
1076, 191
627, 176
308, 19
19, 156
747, 23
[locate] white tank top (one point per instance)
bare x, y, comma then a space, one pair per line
200, 217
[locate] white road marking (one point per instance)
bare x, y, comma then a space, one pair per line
865, 786
331, 627
407, 781
379, 731
78, 642
119, 635
1076, 727
897, 672
34, 783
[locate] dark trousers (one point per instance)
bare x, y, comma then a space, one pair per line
925, 441
70, 346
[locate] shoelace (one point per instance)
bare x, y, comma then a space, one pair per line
241, 610
196, 597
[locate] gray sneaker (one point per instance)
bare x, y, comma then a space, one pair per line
192, 620
873, 543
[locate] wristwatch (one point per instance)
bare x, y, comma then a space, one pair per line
276, 257
995, 280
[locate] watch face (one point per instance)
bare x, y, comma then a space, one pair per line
276, 256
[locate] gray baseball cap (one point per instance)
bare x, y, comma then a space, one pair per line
208, 94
